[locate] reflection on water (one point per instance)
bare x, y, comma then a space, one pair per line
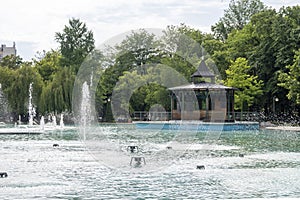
270, 167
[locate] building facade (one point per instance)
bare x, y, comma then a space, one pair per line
6, 51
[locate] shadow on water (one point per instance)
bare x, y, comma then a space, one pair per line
52, 135
264, 140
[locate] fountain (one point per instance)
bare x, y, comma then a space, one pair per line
85, 109
31, 109
138, 160
42, 123
32, 127
54, 123
61, 123
132, 148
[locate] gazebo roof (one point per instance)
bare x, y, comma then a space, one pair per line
202, 86
203, 71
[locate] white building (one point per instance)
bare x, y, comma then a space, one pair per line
5, 51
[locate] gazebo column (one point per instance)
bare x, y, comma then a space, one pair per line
232, 104
206, 104
228, 105
182, 105
172, 107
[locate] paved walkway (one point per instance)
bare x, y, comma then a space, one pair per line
284, 128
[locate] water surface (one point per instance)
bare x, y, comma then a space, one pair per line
269, 168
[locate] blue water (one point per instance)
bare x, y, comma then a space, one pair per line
76, 169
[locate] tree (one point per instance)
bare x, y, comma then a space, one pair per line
291, 79
248, 86
138, 48
76, 42
277, 38
11, 61
183, 41
236, 17
57, 95
48, 65
18, 90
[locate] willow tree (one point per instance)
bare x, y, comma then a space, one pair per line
57, 95
18, 90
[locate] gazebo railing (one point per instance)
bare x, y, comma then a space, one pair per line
164, 116
247, 116
151, 116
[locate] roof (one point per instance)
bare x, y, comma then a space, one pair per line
203, 86
203, 71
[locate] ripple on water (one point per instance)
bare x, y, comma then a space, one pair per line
37, 170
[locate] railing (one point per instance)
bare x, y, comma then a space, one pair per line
247, 116
163, 116
151, 116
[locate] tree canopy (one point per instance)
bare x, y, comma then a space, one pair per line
290, 80
248, 85
236, 17
250, 45
76, 42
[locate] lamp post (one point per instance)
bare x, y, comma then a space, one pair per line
105, 113
275, 99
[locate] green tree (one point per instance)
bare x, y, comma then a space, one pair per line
48, 65
18, 90
57, 95
291, 79
76, 42
7, 77
236, 17
11, 61
182, 42
248, 86
277, 35
137, 49
138, 92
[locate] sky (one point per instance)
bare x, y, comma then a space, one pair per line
32, 24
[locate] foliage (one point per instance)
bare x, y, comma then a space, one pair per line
76, 42
140, 92
291, 79
248, 86
236, 17
48, 65
11, 61
18, 88
250, 45
57, 95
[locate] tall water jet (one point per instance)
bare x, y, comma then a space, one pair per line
54, 123
85, 109
31, 109
61, 123
42, 123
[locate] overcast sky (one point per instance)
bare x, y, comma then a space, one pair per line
32, 23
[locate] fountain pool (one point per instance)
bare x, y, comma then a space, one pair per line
269, 169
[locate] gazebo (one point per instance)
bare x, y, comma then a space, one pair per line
203, 99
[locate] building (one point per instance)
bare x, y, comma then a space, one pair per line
203, 99
6, 51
